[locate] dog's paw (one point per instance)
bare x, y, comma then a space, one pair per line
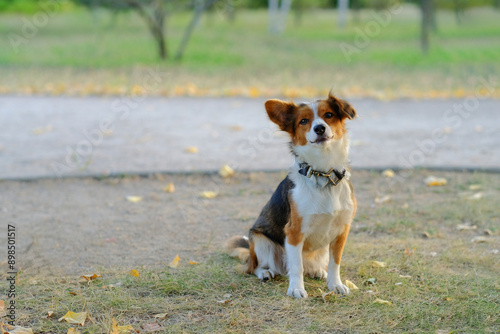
321, 274
298, 293
265, 274
339, 288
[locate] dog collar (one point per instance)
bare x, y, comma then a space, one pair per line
333, 175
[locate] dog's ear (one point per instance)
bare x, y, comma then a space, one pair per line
281, 113
342, 108
348, 110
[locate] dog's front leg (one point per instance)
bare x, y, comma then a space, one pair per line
295, 270
333, 280
294, 243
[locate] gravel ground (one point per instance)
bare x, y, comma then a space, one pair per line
75, 226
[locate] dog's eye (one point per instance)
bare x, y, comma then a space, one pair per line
328, 115
304, 121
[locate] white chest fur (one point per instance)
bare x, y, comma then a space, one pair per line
313, 200
324, 211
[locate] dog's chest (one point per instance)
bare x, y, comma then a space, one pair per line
312, 200
324, 212
320, 230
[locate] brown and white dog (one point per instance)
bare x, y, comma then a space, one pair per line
304, 226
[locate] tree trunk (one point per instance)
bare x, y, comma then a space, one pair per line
278, 12
459, 11
159, 28
272, 13
343, 9
434, 25
155, 22
284, 10
200, 7
162, 45
426, 8
230, 11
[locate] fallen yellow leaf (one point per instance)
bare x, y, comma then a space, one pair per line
160, 315
433, 181
351, 285
463, 227
378, 264
476, 196
479, 239
191, 88
9, 329
253, 92
208, 194
326, 294
42, 130
170, 188
235, 128
381, 301
49, 314
175, 262
72, 330
475, 187
226, 171
191, 149
193, 262
134, 199
2, 309
74, 318
115, 329
388, 173
384, 199
223, 301
91, 277
134, 273
137, 90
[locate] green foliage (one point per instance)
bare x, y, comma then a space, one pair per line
19, 6
32, 6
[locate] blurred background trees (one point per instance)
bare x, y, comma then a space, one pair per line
155, 13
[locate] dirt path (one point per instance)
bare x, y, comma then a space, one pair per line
63, 136
75, 226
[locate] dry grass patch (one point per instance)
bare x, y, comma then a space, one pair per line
436, 278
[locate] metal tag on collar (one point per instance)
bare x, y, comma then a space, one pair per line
334, 179
338, 176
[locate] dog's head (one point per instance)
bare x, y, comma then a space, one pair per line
315, 124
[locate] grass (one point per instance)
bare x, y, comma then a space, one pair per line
453, 284
223, 58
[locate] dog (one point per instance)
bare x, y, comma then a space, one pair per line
303, 228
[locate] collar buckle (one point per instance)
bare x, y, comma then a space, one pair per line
338, 176
333, 175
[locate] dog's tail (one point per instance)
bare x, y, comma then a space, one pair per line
239, 247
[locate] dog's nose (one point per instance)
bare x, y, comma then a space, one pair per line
319, 129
